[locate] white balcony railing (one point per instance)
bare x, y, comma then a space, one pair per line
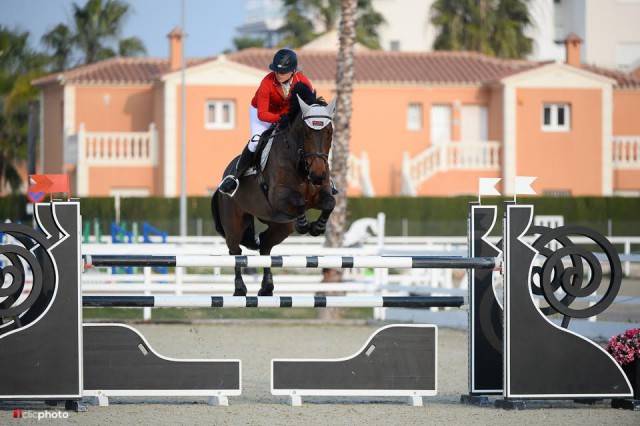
359, 176
115, 149
626, 152
482, 155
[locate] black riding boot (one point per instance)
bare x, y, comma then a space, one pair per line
229, 184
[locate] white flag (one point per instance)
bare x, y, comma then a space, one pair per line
487, 186
523, 185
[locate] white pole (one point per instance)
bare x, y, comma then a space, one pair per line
183, 139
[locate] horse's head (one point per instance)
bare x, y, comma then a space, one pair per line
317, 134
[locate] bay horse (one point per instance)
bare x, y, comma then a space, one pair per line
296, 178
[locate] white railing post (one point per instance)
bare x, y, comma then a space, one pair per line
179, 281
408, 186
146, 312
152, 146
443, 156
82, 169
366, 186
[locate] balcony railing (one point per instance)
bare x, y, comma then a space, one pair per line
482, 155
359, 176
626, 152
116, 149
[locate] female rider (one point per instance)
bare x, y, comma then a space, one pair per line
270, 102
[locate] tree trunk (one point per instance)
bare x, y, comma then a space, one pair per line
341, 136
32, 137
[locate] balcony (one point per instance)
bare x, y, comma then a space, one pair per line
112, 149
626, 152
481, 155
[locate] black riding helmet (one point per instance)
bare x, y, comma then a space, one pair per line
284, 61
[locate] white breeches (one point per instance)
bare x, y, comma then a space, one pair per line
257, 128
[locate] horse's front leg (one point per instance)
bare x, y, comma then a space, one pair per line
301, 223
326, 203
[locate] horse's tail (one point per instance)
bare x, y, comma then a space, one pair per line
215, 212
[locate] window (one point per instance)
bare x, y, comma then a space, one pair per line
394, 45
220, 115
556, 117
414, 117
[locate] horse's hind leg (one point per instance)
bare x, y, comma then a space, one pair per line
233, 236
274, 235
240, 288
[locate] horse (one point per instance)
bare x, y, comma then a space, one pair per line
296, 178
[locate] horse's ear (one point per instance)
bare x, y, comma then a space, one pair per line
303, 106
331, 108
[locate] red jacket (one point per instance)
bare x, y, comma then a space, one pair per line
270, 100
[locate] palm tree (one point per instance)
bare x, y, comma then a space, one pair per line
94, 34
508, 38
60, 40
342, 133
18, 66
491, 27
308, 19
246, 42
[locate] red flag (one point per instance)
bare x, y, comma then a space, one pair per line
40, 185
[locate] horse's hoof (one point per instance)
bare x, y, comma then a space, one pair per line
240, 292
315, 230
263, 292
302, 229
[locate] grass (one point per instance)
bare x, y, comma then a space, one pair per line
187, 314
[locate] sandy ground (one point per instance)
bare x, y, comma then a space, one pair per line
256, 343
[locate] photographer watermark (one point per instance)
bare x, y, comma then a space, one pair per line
40, 415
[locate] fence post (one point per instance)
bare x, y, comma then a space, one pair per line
146, 312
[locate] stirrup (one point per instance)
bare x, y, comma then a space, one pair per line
229, 178
334, 189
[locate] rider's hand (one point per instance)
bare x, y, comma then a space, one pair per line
284, 117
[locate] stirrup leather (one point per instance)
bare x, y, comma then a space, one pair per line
233, 179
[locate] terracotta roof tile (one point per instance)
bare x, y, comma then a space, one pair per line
377, 66
116, 71
623, 79
438, 67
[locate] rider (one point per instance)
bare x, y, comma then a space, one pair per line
270, 102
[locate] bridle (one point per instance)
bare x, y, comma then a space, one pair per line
303, 164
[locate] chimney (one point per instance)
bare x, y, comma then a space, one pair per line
572, 47
175, 49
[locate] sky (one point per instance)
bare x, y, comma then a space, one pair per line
210, 24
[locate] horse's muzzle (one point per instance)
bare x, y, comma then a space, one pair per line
317, 179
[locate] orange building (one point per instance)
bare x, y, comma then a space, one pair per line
422, 124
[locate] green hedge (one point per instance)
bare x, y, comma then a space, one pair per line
409, 216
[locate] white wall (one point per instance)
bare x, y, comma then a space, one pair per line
408, 22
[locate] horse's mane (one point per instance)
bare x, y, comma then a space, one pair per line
306, 94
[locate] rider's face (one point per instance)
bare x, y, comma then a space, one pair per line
282, 77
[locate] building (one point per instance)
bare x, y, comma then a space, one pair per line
424, 123
609, 29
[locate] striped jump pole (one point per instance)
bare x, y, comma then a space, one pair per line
441, 262
273, 301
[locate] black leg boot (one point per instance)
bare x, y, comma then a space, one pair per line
229, 184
